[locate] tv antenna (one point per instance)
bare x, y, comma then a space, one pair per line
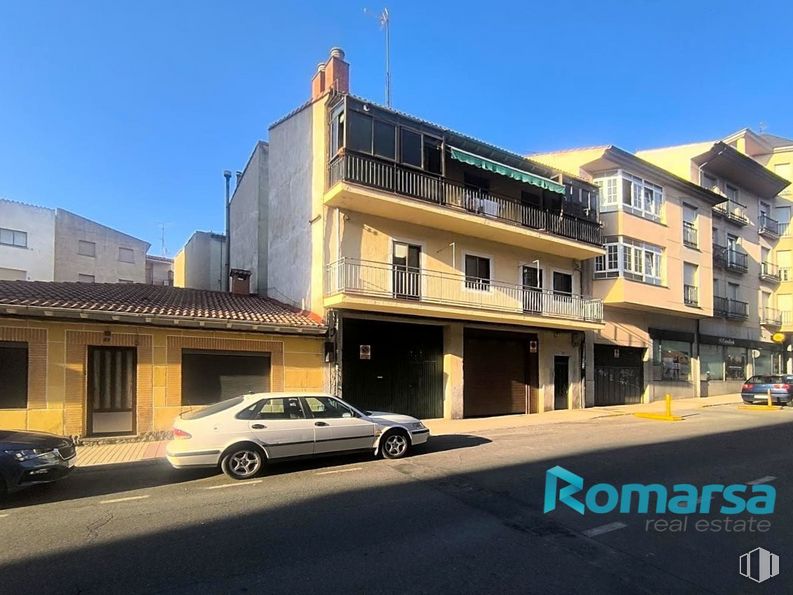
163, 248
384, 18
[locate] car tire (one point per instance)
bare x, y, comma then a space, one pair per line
242, 462
395, 444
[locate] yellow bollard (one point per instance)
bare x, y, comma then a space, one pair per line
666, 416
770, 404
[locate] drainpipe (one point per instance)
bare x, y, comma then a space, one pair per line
227, 264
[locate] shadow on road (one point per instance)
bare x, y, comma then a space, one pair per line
109, 480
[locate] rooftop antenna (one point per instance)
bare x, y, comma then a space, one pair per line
163, 248
384, 18
763, 127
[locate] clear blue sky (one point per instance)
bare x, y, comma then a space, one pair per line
127, 112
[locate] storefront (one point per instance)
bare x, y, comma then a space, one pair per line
726, 362
674, 363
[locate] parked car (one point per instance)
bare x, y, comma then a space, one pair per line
242, 434
755, 389
28, 458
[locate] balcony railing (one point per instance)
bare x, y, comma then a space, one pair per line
690, 235
768, 227
770, 272
690, 295
367, 171
787, 317
771, 317
398, 282
729, 308
731, 259
733, 211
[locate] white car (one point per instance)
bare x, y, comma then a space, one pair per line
243, 433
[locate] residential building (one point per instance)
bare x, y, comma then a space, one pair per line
27, 242
76, 362
159, 270
776, 154
736, 342
655, 279
200, 263
450, 271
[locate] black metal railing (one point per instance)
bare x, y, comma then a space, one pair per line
731, 259
733, 211
690, 295
367, 171
771, 317
729, 308
768, 226
770, 272
690, 238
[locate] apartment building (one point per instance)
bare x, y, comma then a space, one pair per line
450, 271
736, 342
159, 270
41, 244
776, 154
200, 264
655, 278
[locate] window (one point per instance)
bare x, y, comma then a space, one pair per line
631, 259
708, 181
731, 192
690, 238
281, 408
86, 248
212, 409
337, 132
12, 237
212, 376
711, 362
432, 155
608, 193
671, 360
783, 217
85, 278
359, 132
384, 140
13, 375
477, 272
126, 255
562, 283
325, 407
636, 195
410, 147
784, 263
126, 281
735, 363
690, 284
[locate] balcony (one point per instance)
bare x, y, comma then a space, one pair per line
730, 308
734, 212
771, 273
768, 227
771, 317
731, 259
690, 238
397, 288
379, 188
690, 295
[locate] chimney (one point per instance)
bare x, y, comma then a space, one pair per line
240, 281
318, 82
337, 72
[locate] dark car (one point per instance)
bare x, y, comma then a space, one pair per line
28, 458
755, 390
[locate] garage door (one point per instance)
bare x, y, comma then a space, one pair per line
619, 375
495, 374
212, 376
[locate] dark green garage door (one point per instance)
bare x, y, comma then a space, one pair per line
619, 375
393, 367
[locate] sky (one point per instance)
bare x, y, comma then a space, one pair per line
127, 112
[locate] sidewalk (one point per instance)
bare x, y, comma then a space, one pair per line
109, 454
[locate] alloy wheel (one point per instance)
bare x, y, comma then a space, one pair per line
395, 445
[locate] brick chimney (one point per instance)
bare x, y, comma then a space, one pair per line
240, 281
333, 74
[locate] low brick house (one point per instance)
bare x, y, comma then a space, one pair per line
124, 359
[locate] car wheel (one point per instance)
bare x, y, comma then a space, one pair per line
242, 462
395, 445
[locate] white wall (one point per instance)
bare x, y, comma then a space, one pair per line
37, 261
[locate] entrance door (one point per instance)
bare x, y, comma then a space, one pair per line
111, 390
407, 271
561, 381
619, 375
532, 289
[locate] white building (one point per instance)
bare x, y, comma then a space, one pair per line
27, 242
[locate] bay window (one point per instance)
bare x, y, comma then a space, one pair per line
631, 259
622, 191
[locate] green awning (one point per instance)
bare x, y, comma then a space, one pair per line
505, 170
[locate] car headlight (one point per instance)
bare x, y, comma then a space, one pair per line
28, 454
416, 426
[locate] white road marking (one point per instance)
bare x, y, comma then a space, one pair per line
765, 479
604, 529
234, 485
124, 499
339, 471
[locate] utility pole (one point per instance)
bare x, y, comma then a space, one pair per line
227, 264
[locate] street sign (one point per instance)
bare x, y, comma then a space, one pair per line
778, 337
365, 352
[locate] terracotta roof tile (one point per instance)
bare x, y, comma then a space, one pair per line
154, 300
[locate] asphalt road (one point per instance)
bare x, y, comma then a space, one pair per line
463, 515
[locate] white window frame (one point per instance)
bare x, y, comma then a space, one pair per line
612, 197
121, 250
18, 238
632, 256
81, 243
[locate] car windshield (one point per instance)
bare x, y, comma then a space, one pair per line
766, 380
212, 409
